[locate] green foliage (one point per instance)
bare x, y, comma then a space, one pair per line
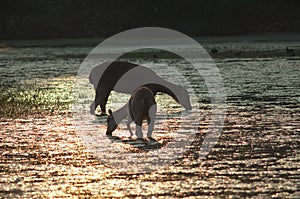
34, 100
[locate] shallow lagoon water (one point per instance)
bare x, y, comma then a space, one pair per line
257, 155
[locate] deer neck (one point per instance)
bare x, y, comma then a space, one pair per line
168, 88
121, 113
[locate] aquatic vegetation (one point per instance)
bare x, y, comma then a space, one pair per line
35, 99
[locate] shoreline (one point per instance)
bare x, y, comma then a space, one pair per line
91, 42
244, 46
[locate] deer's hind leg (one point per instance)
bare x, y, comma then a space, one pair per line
151, 120
128, 126
139, 131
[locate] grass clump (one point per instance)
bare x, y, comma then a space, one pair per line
36, 99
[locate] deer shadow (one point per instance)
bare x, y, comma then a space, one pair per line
141, 144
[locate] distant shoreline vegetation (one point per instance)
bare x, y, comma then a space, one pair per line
247, 46
56, 19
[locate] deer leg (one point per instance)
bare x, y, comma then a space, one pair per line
101, 99
104, 101
139, 132
151, 120
92, 108
128, 126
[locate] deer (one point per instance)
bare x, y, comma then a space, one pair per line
141, 106
125, 77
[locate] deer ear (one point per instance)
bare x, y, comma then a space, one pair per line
109, 111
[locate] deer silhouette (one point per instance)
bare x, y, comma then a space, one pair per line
125, 77
140, 106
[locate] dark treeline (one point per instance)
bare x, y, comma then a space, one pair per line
101, 18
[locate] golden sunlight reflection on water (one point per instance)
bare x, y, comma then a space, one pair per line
257, 154
46, 158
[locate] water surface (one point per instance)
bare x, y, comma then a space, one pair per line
257, 155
